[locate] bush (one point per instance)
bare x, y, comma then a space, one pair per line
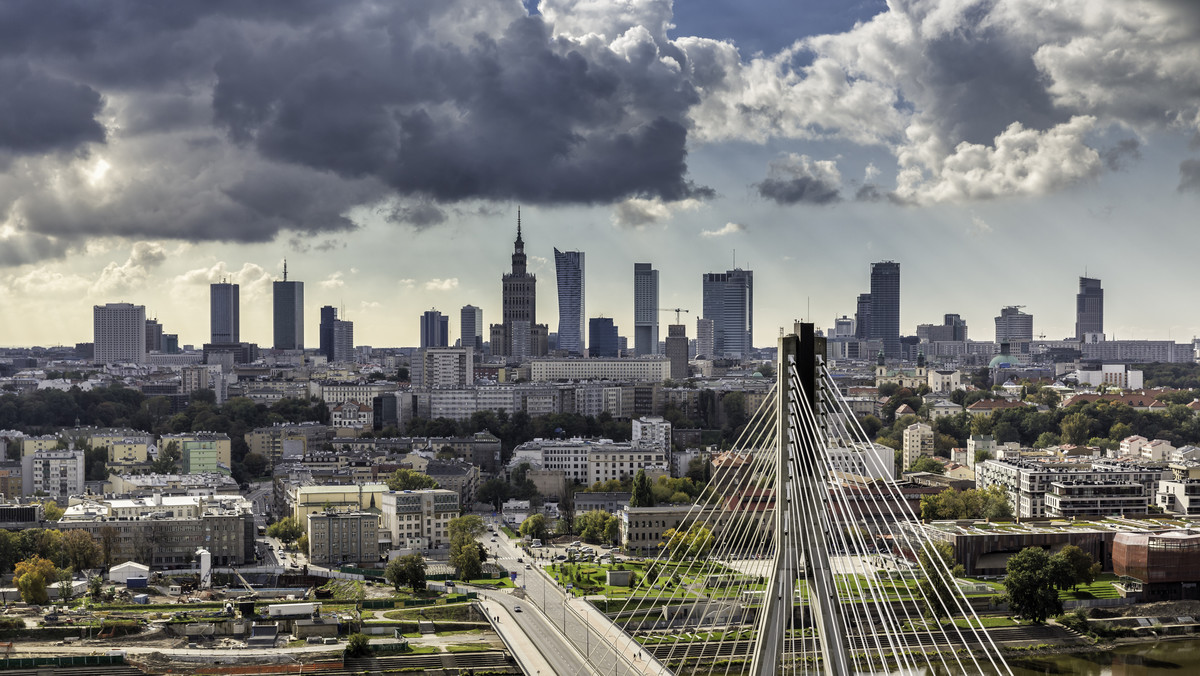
358, 645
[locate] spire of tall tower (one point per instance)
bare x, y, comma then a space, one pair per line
519, 225
285, 269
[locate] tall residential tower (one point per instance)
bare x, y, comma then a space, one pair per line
569, 268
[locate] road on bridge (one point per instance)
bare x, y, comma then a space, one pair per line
590, 633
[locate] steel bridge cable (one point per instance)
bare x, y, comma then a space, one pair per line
994, 656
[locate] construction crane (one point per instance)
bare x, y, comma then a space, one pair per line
676, 310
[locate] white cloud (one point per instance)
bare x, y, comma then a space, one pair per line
979, 226
119, 278
435, 284
727, 229
334, 281
1020, 162
639, 213
40, 282
407, 282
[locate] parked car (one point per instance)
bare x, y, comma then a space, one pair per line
516, 609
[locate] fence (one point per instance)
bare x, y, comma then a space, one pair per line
61, 661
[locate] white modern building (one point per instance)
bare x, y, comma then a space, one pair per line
653, 369
1027, 481
918, 441
119, 333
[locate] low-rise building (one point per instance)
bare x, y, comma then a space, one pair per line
1158, 566
208, 450
611, 502
455, 475
339, 538
1093, 499
1180, 497
641, 528
646, 369
417, 520
1027, 481
317, 498
624, 461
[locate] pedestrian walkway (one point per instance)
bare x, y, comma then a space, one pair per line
519, 644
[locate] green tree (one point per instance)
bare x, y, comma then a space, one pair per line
95, 587
593, 526
287, 530
643, 495
694, 543
1030, 585
167, 460
407, 570
80, 549
937, 586
1075, 428
409, 480
32, 576
493, 491
535, 527
925, 463
464, 548
1075, 567
52, 511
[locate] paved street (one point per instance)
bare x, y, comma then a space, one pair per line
586, 630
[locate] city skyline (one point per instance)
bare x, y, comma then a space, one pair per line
959, 141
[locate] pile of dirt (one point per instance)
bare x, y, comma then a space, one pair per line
1157, 609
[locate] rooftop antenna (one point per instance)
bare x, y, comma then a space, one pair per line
735, 259
285, 269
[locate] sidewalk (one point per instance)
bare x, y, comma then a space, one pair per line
523, 649
632, 654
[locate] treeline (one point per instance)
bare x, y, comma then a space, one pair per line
1178, 376
1099, 423
47, 411
73, 548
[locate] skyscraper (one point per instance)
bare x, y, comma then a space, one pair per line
435, 329
603, 336
154, 336
677, 350
728, 299
224, 313
569, 268
471, 327
119, 333
645, 309
862, 317
289, 313
1089, 308
1013, 326
885, 306
519, 335
325, 331
343, 341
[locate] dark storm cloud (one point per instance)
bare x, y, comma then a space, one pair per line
1189, 176
799, 189
236, 121
868, 192
40, 113
510, 116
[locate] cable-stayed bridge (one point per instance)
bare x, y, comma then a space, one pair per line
799, 557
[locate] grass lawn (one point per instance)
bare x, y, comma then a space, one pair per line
1102, 588
468, 648
512, 535
987, 622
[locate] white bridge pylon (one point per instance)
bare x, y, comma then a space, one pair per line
801, 556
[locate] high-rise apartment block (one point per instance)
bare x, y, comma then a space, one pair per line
602, 334
645, 309
58, 474
885, 306
677, 350
337, 336
1013, 326
729, 302
224, 313
1089, 310
519, 336
119, 333
471, 327
435, 329
289, 313
569, 268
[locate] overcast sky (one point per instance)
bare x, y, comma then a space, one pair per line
996, 150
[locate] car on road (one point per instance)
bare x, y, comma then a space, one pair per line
528, 567
560, 557
516, 609
520, 560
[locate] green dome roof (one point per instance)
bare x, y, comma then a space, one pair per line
1003, 359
